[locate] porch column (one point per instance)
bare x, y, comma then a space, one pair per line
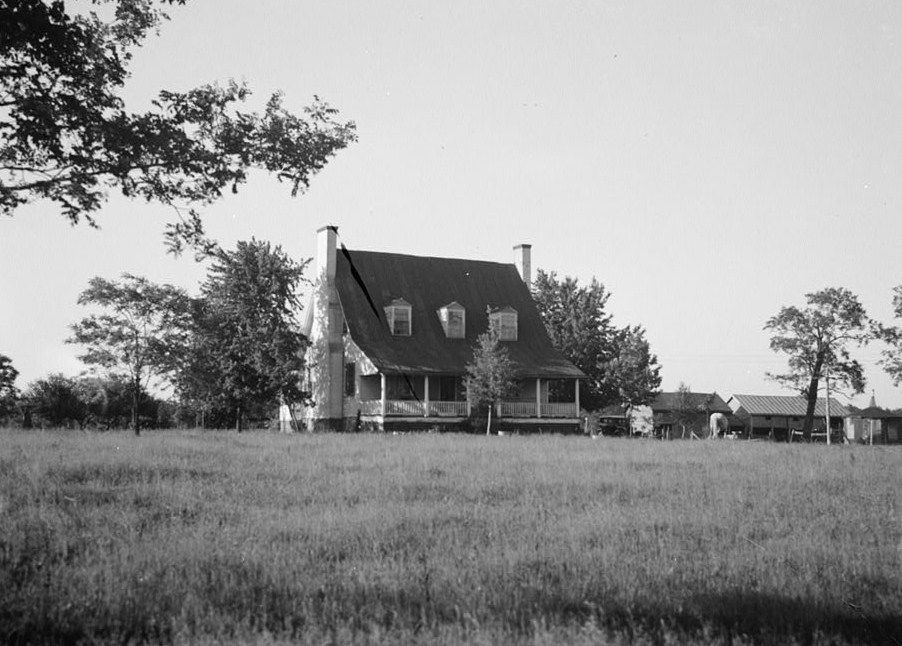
469, 405
577, 397
426, 396
538, 396
384, 394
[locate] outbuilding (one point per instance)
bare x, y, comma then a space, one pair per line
780, 417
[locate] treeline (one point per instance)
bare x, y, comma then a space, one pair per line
228, 355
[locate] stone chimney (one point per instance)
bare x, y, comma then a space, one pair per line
325, 252
523, 260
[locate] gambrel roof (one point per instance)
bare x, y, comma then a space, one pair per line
367, 281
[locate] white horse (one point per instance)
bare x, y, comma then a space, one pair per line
717, 423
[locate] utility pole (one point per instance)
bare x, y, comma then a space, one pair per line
827, 385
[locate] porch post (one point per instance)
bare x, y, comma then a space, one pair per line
577, 397
384, 394
469, 405
426, 396
538, 396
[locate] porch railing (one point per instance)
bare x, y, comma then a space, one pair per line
560, 409
405, 408
517, 409
447, 409
413, 408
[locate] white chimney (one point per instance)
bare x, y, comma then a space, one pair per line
325, 251
523, 260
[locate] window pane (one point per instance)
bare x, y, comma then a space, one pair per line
350, 370
401, 321
509, 327
455, 328
402, 328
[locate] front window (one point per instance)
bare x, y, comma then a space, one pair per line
398, 315
505, 321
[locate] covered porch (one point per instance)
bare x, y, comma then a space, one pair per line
443, 397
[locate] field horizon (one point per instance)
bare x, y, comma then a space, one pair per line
209, 536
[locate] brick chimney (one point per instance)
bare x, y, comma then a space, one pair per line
523, 260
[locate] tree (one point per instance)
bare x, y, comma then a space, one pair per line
109, 399
618, 362
687, 413
65, 135
633, 373
891, 357
490, 375
9, 394
142, 333
246, 347
816, 339
55, 400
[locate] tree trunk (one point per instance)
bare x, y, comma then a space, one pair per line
238, 420
136, 423
811, 395
488, 426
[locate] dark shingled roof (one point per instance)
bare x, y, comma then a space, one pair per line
429, 284
876, 412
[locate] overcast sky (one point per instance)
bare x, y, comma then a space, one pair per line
708, 162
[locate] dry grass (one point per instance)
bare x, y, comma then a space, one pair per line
433, 538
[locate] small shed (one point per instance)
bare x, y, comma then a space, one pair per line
874, 425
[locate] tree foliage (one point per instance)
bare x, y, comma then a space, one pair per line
246, 346
618, 361
55, 401
816, 340
108, 400
891, 357
66, 135
490, 375
688, 414
142, 331
9, 394
633, 374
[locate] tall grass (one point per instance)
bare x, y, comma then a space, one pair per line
191, 537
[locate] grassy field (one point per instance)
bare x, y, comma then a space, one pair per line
205, 537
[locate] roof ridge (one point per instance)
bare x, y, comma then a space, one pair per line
411, 255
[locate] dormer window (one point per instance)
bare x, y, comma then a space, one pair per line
505, 321
397, 313
454, 320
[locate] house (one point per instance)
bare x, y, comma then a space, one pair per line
391, 335
684, 414
874, 425
780, 417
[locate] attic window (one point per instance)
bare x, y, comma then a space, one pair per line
397, 313
454, 320
505, 321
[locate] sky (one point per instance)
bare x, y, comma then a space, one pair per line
709, 163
